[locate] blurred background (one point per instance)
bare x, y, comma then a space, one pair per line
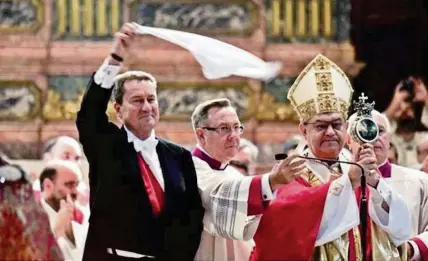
49, 48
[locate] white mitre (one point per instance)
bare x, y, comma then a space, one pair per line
322, 87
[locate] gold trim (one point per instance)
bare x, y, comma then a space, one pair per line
327, 18
301, 18
321, 64
253, 11
343, 107
324, 82
307, 110
327, 102
101, 23
61, 17
40, 18
75, 17
36, 92
357, 244
88, 29
288, 18
115, 15
314, 17
252, 102
57, 109
276, 18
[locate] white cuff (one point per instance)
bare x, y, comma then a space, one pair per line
104, 77
416, 251
266, 190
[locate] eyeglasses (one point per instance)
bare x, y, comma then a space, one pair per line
224, 130
323, 126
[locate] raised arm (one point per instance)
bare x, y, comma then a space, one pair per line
91, 118
92, 122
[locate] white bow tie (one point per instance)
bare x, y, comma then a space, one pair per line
146, 146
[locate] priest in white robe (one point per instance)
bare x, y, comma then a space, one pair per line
233, 202
411, 184
59, 181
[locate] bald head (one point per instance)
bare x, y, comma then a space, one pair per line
64, 148
58, 180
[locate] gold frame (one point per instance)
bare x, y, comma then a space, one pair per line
40, 6
34, 89
254, 15
252, 109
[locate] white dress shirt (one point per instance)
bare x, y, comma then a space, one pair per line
147, 149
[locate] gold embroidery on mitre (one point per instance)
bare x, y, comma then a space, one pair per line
343, 107
321, 64
321, 87
307, 110
324, 83
327, 102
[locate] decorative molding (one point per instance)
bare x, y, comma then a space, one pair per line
178, 100
274, 104
19, 100
64, 97
199, 16
86, 19
268, 109
308, 21
20, 149
21, 15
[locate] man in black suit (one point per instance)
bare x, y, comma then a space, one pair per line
145, 202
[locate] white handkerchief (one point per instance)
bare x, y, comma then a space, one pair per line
218, 59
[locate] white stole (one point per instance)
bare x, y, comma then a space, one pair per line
228, 231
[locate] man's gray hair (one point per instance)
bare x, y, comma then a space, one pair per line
200, 114
244, 143
353, 117
120, 80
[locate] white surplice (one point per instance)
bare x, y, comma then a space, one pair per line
341, 212
70, 251
225, 198
412, 185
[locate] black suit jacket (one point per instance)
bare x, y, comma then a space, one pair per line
121, 213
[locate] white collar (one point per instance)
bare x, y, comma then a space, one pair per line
322, 170
383, 163
147, 145
223, 164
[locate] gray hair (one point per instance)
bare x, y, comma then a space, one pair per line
120, 80
353, 117
200, 114
244, 143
